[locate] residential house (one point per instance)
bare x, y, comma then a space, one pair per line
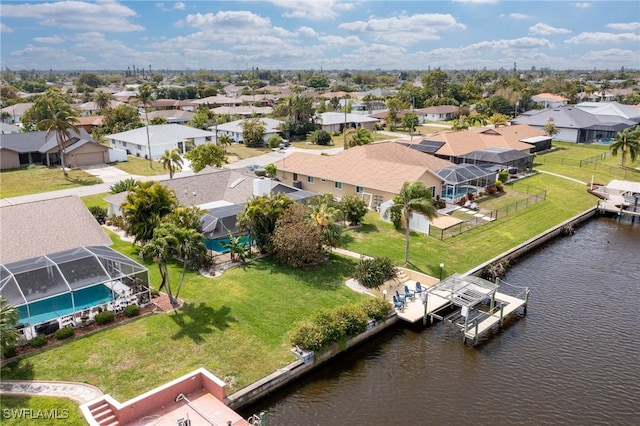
90, 122
549, 100
235, 130
243, 110
12, 114
172, 104
338, 121
575, 124
22, 149
613, 109
6, 128
173, 116
161, 137
374, 171
436, 113
92, 108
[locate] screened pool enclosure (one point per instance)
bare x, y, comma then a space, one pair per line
71, 286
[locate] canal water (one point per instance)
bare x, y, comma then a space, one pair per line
574, 359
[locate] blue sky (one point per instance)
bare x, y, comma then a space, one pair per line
319, 34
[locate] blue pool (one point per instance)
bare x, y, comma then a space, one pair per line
57, 306
218, 243
460, 192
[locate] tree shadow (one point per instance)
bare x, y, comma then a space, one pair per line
20, 369
197, 320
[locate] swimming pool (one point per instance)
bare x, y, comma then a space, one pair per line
58, 306
460, 192
219, 243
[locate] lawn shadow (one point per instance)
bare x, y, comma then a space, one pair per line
197, 320
20, 369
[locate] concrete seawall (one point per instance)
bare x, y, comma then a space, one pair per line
297, 369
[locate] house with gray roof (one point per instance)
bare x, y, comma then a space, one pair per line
235, 130
575, 124
22, 149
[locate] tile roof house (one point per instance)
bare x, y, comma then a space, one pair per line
575, 124
549, 100
173, 116
161, 137
27, 229
436, 113
21, 149
376, 171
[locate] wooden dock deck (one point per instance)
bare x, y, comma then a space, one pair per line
414, 309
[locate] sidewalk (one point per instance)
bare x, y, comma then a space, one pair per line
79, 392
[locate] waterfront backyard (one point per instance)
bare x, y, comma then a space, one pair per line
236, 325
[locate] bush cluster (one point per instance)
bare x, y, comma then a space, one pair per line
100, 213
373, 272
131, 311
105, 317
337, 325
10, 351
39, 341
64, 332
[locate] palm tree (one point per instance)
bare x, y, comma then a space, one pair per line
627, 142
102, 99
224, 141
8, 319
413, 197
172, 161
190, 250
62, 120
498, 120
145, 96
550, 128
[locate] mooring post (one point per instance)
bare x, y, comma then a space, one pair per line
424, 297
501, 314
526, 300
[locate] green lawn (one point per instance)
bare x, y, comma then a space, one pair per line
236, 326
95, 200
36, 179
241, 151
140, 167
25, 411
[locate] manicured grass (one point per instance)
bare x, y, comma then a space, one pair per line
235, 325
241, 151
500, 200
95, 200
27, 411
140, 167
36, 179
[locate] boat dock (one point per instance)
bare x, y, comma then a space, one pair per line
471, 303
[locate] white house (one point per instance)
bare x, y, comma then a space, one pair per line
161, 137
234, 129
337, 121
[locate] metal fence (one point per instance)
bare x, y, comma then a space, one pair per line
489, 217
572, 161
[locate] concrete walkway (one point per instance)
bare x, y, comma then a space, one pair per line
79, 392
563, 177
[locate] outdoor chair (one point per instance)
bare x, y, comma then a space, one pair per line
419, 288
409, 293
397, 303
400, 297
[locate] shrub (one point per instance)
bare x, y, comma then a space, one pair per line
320, 137
131, 311
39, 341
354, 208
155, 292
117, 221
307, 335
376, 308
503, 175
499, 186
100, 213
10, 351
104, 317
352, 320
274, 141
491, 190
124, 185
64, 332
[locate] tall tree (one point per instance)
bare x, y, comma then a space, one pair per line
394, 105
171, 160
61, 119
550, 128
413, 197
158, 249
8, 320
627, 143
224, 141
259, 218
145, 207
145, 97
253, 132
436, 80
102, 99
207, 154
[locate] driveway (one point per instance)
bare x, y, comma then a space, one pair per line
108, 174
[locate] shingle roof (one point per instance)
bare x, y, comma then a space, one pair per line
36, 141
568, 117
160, 134
385, 166
38, 228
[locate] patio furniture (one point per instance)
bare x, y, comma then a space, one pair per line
409, 293
398, 304
419, 288
400, 297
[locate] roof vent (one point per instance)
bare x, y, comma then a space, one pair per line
236, 183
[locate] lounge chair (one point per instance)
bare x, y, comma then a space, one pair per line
397, 303
419, 288
400, 297
409, 293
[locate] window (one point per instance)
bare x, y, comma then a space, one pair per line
311, 179
337, 185
359, 189
124, 144
433, 191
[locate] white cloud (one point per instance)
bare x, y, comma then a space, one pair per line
105, 15
49, 40
476, 1
314, 10
231, 20
518, 16
307, 32
626, 26
582, 5
179, 6
404, 29
597, 38
4, 28
611, 58
545, 30
337, 41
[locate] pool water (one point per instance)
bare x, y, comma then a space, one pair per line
57, 306
460, 192
219, 243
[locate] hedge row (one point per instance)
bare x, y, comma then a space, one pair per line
337, 325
